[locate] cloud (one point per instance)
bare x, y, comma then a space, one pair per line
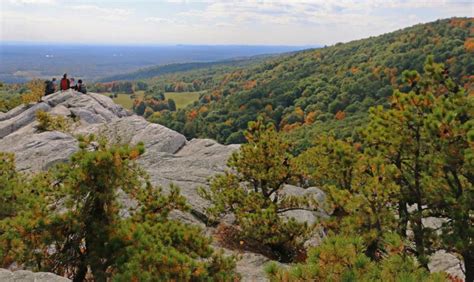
160, 20
369, 15
105, 13
32, 2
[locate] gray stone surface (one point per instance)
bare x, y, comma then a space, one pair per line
28, 276
251, 267
189, 168
168, 157
24, 118
34, 152
310, 217
13, 112
449, 263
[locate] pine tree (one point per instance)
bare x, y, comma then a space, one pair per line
251, 190
342, 258
359, 187
71, 221
426, 136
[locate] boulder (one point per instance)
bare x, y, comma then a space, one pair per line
60, 110
169, 157
310, 217
189, 168
449, 263
34, 152
28, 276
251, 267
24, 118
13, 112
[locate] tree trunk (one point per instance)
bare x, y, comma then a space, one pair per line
402, 218
468, 258
81, 273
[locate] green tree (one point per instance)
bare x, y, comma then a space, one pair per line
359, 187
74, 221
425, 136
171, 105
342, 258
251, 190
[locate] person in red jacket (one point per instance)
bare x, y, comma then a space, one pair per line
64, 83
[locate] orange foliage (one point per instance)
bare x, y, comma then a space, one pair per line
462, 23
340, 115
290, 127
310, 118
354, 70
250, 84
203, 109
469, 45
192, 115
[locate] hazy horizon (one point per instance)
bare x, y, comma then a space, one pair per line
19, 63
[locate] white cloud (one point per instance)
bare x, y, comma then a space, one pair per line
33, 2
105, 13
217, 21
160, 20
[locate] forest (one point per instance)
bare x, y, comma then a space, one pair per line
317, 90
383, 126
414, 161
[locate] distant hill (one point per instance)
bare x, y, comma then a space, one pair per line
23, 62
322, 89
151, 72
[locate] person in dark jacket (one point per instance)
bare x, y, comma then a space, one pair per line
64, 83
50, 86
80, 87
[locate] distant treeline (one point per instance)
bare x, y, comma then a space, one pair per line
151, 72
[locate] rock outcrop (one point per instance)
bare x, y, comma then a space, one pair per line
28, 276
169, 158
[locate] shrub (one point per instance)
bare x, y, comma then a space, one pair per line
48, 122
342, 258
36, 89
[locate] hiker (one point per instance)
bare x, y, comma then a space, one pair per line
50, 86
72, 83
64, 83
80, 87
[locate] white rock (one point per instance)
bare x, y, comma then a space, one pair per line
28, 276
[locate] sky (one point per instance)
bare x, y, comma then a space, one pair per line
245, 22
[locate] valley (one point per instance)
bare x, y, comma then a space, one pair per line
348, 162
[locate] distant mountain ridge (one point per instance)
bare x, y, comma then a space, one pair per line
150, 72
331, 88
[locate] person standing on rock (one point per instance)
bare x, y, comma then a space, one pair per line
65, 84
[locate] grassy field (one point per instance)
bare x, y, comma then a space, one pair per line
182, 99
124, 100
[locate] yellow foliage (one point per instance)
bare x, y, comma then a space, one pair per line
310, 118
36, 89
48, 122
203, 109
299, 112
